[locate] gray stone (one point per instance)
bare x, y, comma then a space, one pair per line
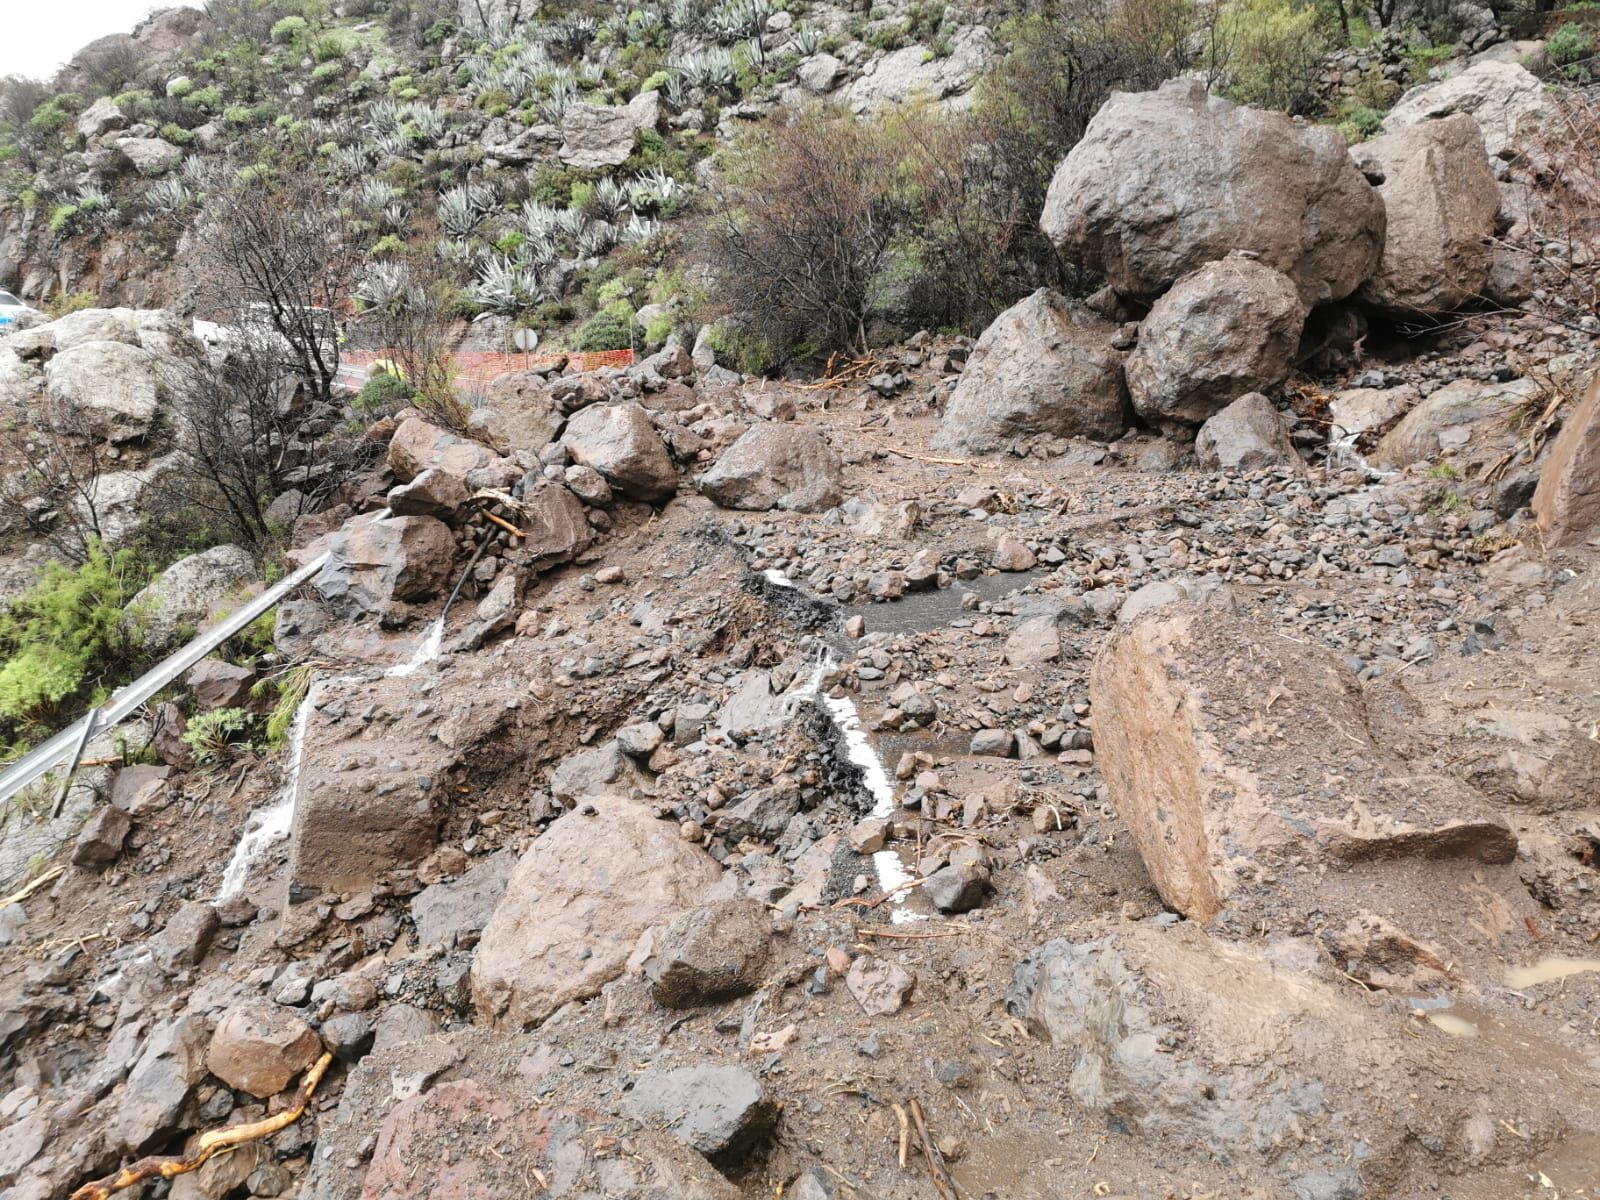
102, 116
1513, 109
619, 441
958, 888
720, 1111
453, 914
1246, 436
150, 155
602, 771
712, 953
999, 743
776, 466
1044, 366
1441, 200
1166, 181
217, 684
111, 386
373, 562
1225, 329
880, 987
190, 593
187, 936
101, 838
433, 493
577, 904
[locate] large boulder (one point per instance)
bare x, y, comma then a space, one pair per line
912, 74
1224, 1049
519, 415
1512, 107
578, 903
112, 387
1164, 182
419, 445
1246, 436
373, 562
1044, 366
554, 525
149, 155
1440, 199
1236, 756
102, 116
600, 137
619, 441
190, 593
722, 1111
1228, 328
1567, 501
776, 466
1466, 419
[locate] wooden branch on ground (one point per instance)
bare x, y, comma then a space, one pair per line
941, 1177
208, 1143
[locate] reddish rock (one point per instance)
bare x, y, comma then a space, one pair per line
218, 684
259, 1048
1567, 500
419, 446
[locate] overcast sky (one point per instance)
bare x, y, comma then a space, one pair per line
37, 36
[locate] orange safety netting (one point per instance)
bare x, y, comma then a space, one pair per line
478, 368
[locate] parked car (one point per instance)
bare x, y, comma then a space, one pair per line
11, 309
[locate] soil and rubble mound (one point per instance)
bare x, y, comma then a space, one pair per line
1065, 764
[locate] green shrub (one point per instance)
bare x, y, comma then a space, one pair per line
62, 217
180, 87
289, 30
238, 115
659, 329
177, 134
384, 393
1272, 51
206, 99
71, 302
607, 331
209, 735
1568, 47
389, 243
330, 47
49, 118
1360, 123
66, 640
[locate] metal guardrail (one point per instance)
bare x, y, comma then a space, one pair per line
70, 742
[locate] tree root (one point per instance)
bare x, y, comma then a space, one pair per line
208, 1143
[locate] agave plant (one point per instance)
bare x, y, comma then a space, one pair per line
539, 220
739, 19
597, 239
677, 88
383, 285
351, 161
391, 145
714, 69
571, 33
505, 287
563, 93
169, 195
610, 198
572, 222
375, 195
654, 190
806, 40
385, 116
639, 229
396, 216
428, 122
458, 216
685, 15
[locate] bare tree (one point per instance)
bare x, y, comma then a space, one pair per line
54, 494
801, 230
408, 307
278, 259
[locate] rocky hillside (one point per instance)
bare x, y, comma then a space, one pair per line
1142, 745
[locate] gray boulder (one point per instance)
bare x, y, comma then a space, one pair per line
519, 414
150, 155
1164, 182
598, 137
1441, 200
1467, 418
102, 116
720, 1111
619, 441
112, 388
373, 562
1245, 436
1228, 328
776, 466
187, 595
1513, 109
1044, 366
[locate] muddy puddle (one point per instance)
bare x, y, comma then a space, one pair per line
917, 612
1548, 970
